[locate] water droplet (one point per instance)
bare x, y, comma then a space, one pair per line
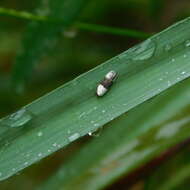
90, 133
111, 118
74, 137
82, 114
187, 43
144, 51
167, 47
18, 118
40, 134
54, 144
169, 83
49, 150
25, 163
184, 55
95, 133
40, 154
103, 111
96, 124
183, 72
173, 60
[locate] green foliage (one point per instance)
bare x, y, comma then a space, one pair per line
177, 177
73, 110
41, 37
144, 114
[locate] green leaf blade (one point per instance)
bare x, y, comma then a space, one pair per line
74, 110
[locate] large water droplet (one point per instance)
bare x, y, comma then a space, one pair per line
18, 118
95, 133
183, 72
144, 51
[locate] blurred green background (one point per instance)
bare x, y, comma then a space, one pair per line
76, 52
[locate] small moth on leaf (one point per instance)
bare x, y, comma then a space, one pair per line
104, 85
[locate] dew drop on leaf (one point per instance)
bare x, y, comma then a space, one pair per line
18, 118
25, 163
40, 154
95, 133
54, 144
74, 137
144, 51
40, 134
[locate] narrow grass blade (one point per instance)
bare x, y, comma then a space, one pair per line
41, 37
128, 142
79, 25
73, 110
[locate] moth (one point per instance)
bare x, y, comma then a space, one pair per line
105, 85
